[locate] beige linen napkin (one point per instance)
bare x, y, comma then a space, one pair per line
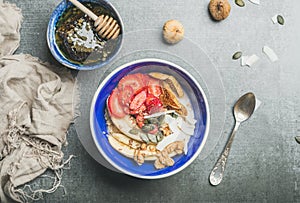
36, 109
10, 23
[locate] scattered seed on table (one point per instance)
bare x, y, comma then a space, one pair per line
240, 3
237, 55
280, 19
297, 138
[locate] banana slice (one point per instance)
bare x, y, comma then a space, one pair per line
159, 76
175, 86
121, 148
125, 125
126, 140
131, 152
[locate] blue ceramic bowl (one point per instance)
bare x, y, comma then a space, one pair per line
100, 132
59, 56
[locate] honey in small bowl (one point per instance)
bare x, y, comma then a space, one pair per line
73, 40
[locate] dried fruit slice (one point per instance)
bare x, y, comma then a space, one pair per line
154, 90
114, 107
153, 104
219, 9
173, 31
168, 98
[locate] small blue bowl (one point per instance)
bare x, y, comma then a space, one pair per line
199, 106
59, 56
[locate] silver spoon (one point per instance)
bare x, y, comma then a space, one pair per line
243, 109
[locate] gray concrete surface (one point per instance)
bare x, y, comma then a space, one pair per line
264, 164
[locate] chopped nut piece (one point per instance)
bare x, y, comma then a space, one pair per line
163, 158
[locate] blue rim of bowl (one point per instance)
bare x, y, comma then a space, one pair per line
92, 119
55, 51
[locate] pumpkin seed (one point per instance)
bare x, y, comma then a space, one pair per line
237, 55
174, 115
134, 131
280, 19
152, 138
161, 118
240, 3
148, 127
153, 120
144, 137
297, 138
159, 136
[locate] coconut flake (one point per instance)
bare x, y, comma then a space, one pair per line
190, 120
274, 19
170, 139
186, 142
251, 60
159, 114
186, 128
172, 122
270, 53
257, 2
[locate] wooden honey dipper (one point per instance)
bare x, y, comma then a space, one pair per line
106, 26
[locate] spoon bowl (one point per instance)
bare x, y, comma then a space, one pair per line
243, 109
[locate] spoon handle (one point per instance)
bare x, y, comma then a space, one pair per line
84, 9
216, 174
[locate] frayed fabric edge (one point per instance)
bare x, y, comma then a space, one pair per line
76, 100
27, 193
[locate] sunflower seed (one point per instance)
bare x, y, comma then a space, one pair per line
237, 55
240, 3
297, 138
280, 19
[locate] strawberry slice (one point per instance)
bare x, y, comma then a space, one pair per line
154, 90
139, 110
145, 79
114, 106
133, 81
125, 95
142, 77
153, 104
138, 100
140, 120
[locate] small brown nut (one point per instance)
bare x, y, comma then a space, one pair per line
143, 146
173, 31
219, 9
